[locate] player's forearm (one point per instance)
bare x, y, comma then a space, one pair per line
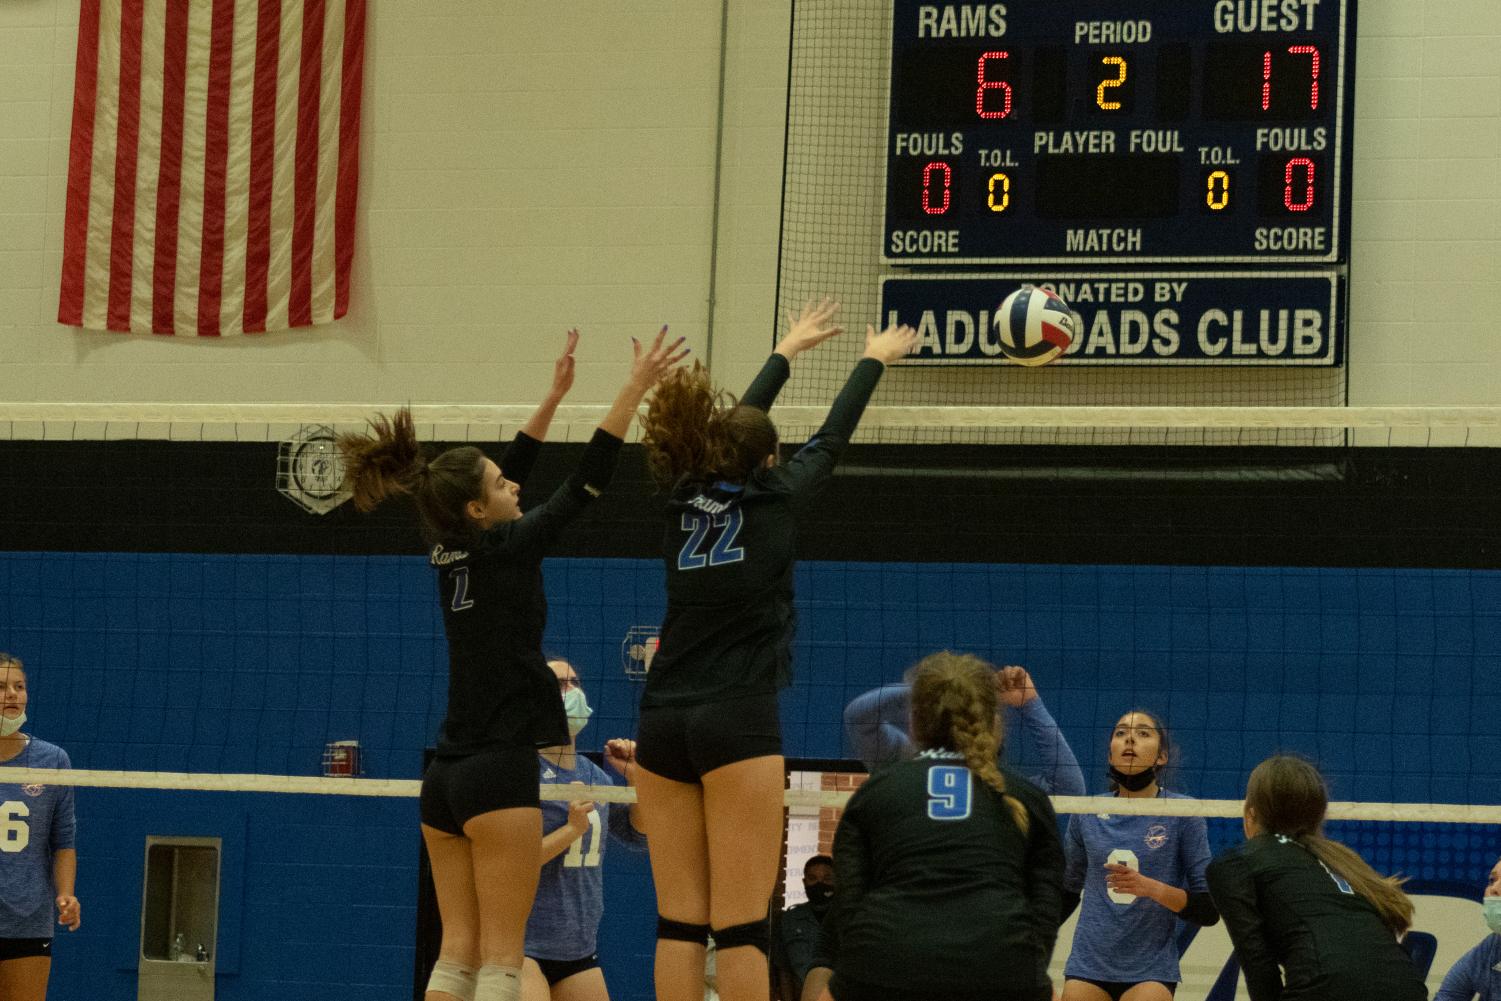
541, 418
1170, 897
556, 842
64, 871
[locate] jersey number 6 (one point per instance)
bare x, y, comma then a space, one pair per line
15, 834
1127, 858
724, 549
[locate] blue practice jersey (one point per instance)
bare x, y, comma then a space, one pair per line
564, 923
35, 822
1119, 937
1477, 974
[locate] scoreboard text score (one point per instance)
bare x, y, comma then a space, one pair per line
1127, 131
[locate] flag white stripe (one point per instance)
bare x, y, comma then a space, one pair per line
328, 163
283, 194
148, 161
237, 173
194, 139
102, 174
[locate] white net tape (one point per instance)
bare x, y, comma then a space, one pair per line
1449, 813
1379, 426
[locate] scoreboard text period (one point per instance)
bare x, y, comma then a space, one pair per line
1127, 131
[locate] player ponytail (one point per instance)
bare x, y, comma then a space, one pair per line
697, 432
1287, 796
954, 708
389, 462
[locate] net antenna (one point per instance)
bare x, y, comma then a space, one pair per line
637, 650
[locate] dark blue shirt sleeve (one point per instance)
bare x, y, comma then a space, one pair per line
768, 383
535, 531
875, 724
814, 462
1234, 891
519, 458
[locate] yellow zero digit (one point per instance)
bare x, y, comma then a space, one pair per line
1119, 62
1000, 192
1218, 195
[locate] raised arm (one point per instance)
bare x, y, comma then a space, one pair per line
1047, 758
814, 462
521, 454
875, 723
807, 328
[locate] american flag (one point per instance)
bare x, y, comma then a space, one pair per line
214, 165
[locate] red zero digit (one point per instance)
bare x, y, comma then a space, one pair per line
1000, 85
1287, 191
938, 166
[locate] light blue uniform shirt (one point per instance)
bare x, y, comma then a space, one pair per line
35, 822
1477, 972
564, 923
1127, 939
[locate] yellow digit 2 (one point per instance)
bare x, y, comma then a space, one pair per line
1119, 62
1000, 192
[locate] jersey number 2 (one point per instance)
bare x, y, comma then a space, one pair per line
949, 791
15, 833
460, 578
577, 856
724, 549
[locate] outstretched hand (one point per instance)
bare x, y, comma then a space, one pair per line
891, 344
562, 369
809, 327
1013, 686
651, 364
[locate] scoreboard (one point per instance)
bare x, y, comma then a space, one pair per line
1120, 131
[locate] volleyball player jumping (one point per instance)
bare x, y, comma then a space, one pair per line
709, 751
1137, 876
479, 803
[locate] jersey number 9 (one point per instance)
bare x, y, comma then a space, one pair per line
949, 790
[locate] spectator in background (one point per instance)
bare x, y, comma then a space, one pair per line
798, 926
36, 834
876, 725
562, 934
1477, 975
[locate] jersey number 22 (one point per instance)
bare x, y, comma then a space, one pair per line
723, 551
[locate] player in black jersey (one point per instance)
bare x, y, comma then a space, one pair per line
709, 750
950, 870
1310, 920
480, 817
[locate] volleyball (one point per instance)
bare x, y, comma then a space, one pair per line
1034, 325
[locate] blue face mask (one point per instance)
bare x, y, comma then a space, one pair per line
1492, 908
577, 708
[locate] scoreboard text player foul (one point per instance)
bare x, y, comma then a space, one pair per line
1198, 133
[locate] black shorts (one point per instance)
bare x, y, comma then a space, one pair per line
24, 948
845, 989
1117, 988
456, 790
558, 970
682, 743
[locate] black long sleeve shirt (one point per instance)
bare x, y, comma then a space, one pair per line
1303, 934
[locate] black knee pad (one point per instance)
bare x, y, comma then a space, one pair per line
682, 931
756, 933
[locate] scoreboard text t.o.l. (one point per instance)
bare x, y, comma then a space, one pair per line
1120, 131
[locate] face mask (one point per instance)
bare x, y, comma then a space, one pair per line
819, 894
1492, 906
9, 726
577, 708
1133, 783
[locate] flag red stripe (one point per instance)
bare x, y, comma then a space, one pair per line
169, 173
305, 187
122, 232
80, 167
215, 167
262, 165
349, 151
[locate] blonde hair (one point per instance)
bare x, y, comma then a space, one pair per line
954, 707
693, 430
1289, 797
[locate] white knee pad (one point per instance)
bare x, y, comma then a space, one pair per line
451, 978
498, 983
